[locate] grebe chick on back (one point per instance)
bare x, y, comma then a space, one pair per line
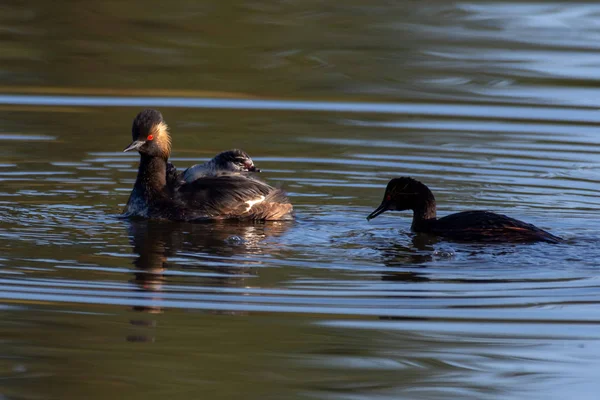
223, 195
232, 161
228, 161
473, 226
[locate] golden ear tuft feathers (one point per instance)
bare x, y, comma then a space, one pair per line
162, 138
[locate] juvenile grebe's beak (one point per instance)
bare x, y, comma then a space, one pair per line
250, 167
383, 207
134, 145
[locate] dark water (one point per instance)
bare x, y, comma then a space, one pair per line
492, 104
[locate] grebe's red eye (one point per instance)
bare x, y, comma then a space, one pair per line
388, 197
150, 137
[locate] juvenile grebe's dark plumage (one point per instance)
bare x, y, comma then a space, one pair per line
160, 193
228, 161
232, 161
473, 226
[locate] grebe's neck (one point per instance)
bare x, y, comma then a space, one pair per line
150, 185
425, 211
152, 173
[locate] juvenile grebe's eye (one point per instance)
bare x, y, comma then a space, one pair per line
150, 137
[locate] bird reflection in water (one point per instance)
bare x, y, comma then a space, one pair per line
220, 254
414, 256
405, 263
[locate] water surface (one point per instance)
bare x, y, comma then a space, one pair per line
491, 104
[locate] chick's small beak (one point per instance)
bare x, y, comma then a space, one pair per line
383, 207
136, 144
250, 167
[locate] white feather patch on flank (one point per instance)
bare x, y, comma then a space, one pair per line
251, 203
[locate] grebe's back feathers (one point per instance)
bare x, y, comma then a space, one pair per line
173, 176
488, 226
231, 195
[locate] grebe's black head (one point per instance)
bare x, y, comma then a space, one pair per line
234, 160
150, 135
404, 194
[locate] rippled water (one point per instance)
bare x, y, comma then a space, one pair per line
491, 104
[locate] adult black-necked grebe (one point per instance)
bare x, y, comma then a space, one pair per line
158, 194
473, 226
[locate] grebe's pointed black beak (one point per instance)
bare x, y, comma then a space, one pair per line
383, 207
136, 144
253, 169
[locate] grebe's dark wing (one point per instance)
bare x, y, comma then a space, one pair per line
172, 173
489, 226
235, 196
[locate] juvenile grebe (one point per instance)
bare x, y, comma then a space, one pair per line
228, 161
473, 226
234, 161
157, 194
